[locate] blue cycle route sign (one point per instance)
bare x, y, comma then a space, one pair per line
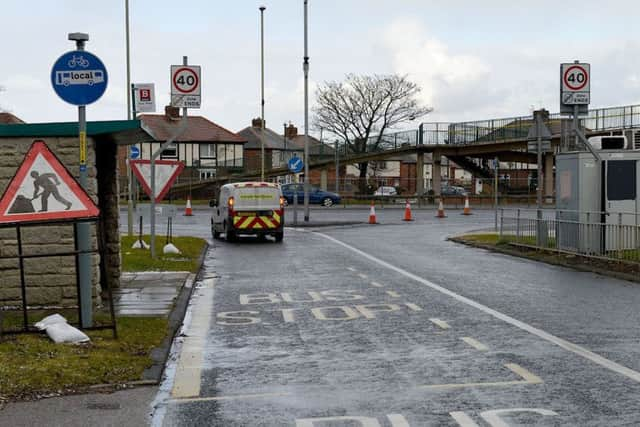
295, 164
79, 77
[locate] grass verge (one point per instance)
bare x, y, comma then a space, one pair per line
618, 269
32, 366
140, 259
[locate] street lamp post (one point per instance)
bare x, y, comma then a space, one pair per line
305, 68
262, 8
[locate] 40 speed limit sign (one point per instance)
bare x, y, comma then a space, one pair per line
575, 84
185, 86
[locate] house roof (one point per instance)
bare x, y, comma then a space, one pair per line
272, 141
199, 129
8, 118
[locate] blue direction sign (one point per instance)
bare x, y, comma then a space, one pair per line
295, 164
79, 77
134, 152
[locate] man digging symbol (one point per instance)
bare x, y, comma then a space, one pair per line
49, 183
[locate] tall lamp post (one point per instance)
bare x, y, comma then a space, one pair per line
305, 68
262, 8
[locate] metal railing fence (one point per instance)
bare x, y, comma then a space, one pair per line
613, 236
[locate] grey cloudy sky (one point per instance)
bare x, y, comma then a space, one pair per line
473, 59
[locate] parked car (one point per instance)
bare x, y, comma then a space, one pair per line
385, 191
452, 190
316, 195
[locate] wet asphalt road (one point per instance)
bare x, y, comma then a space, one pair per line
392, 325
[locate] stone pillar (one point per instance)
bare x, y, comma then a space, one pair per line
548, 177
420, 174
436, 172
323, 179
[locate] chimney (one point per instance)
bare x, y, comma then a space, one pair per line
257, 123
172, 113
291, 131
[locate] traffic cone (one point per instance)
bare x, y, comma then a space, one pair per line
441, 210
372, 214
188, 211
407, 212
467, 209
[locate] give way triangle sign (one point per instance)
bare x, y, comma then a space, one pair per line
166, 173
44, 190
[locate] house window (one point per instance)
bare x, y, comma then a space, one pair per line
207, 173
207, 151
171, 151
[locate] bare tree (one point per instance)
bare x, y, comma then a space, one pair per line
360, 110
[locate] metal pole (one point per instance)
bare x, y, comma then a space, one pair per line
305, 68
337, 169
495, 191
130, 178
154, 156
129, 116
538, 118
262, 8
84, 234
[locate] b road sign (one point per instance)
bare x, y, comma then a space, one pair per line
144, 100
79, 77
185, 86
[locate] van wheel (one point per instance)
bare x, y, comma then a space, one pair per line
216, 234
230, 234
279, 236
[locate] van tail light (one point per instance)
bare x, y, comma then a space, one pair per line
281, 202
231, 202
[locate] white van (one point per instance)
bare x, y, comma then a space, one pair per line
248, 208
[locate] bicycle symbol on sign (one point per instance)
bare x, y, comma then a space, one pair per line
79, 61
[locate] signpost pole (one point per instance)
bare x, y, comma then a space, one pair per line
130, 175
154, 156
495, 190
305, 68
538, 118
84, 259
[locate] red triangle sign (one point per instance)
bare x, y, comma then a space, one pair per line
166, 173
43, 190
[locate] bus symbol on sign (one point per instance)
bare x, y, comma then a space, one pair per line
87, 77
145, 95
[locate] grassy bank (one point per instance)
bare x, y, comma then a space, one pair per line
140, 259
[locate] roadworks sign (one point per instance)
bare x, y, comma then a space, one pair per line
44, 190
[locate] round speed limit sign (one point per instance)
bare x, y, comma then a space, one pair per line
575, 77
185, 80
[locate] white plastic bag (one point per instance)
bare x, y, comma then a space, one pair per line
50, 320
65, 333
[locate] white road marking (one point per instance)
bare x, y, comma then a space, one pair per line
351, 269
236, 397
463, 419
527, 378
475, 343
362, 276
440, 323
376, 285
412, 306
186, 382
393, 294
567, 345
397, 420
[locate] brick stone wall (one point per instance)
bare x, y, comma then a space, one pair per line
50, 281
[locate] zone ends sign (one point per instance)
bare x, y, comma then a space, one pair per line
185, 86
575, 86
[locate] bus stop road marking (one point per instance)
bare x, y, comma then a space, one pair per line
566, 345
527, 378
440, 323
475, 343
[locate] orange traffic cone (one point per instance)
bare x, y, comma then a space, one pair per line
441, 210
372, 215
407, 212
467, 209
188, 211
